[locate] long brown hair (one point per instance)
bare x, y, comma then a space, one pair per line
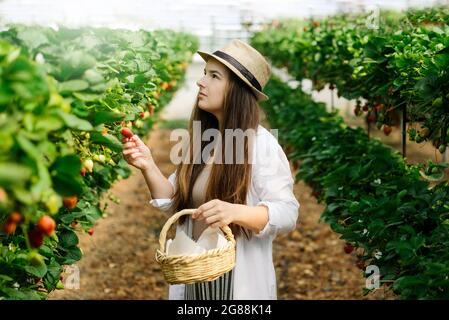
227, 182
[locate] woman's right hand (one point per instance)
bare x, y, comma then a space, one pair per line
136, 153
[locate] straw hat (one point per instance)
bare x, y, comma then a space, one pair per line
246, 62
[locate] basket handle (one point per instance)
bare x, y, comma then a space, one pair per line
227, 231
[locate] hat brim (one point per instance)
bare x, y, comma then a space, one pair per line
259, 94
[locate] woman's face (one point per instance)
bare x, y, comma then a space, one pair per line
212, 87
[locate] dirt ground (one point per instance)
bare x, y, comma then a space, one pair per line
119, 262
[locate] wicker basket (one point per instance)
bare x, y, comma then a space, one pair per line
193, 268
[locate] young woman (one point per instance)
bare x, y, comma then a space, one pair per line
254, 197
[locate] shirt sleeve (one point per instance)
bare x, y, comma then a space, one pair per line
273, 183
164, 203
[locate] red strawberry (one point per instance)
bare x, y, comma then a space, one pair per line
46, 225
15, 217
126, 132
70, 202
36, 238
142, 115
387, 129
10, 227
348, 248
90, 231
83, 172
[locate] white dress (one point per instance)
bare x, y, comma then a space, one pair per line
272, 186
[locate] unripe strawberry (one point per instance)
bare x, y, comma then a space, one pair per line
89, 165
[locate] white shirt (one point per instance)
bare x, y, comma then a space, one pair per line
272, 185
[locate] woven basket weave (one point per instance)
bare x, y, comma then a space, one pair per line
186, 269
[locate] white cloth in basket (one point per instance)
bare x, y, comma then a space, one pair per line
211, 238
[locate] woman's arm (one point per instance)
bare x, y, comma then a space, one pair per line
137, 154
218, 213
252, 218
158, 184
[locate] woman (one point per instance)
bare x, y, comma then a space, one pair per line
254, 197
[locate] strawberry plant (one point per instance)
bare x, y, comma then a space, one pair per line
64, 97
380, 205
402, 64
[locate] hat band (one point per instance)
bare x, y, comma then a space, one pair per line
245, 72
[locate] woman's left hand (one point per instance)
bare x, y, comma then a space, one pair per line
216, 213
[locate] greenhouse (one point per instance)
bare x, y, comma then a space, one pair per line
227, 150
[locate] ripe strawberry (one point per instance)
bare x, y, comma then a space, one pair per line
90, 231
10, 227
70, 202
15, 217
36, 238
164, 86
387, 129
126, 132
83, 172
46, 225
142, 115
348, 248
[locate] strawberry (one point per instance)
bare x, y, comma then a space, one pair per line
387, 129
90, 231
36, 238
83, 172
15, 217
126, 132
46, 225
348, 248
10, 227
142, 115
70, 202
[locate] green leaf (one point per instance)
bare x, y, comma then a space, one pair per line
32, 38
67, 165
48, 123
107, 117
38, 271
74, 122
29, 148
72, 255
73, 85
87, 97
11, 173
67, 185
68, 238
53, 275
107, 140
